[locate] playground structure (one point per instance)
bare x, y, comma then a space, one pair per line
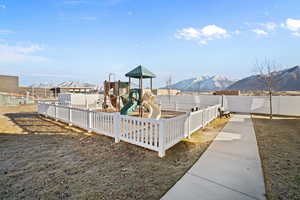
121, 98
182, 114
133, 115
114, 94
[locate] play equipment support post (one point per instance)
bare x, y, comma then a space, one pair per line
141, 93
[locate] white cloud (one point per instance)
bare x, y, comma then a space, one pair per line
260, 32
214, 31
5, 32
20, 53
203, 35
293, 24
2, 6
269, 26
188, 34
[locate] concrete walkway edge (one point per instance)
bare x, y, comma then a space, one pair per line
229, 169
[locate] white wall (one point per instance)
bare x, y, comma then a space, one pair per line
289, 105
79, 99
247, 104
282, 105
188, 100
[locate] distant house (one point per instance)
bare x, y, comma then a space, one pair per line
9, 84
58, 90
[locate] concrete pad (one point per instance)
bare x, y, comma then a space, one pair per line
239, 174
192, 187
231, 162
226, 136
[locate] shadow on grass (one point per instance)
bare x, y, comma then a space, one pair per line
33, 123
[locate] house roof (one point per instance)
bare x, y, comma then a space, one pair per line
139, 72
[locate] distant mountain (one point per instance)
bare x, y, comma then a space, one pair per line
75, 84
203, 84
43, 85
63, 84
284, 80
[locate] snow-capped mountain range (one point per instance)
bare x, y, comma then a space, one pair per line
203, 83
63, 84
284, 80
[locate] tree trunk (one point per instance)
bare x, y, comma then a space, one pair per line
271, 107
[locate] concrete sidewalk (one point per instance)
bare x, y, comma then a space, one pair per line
229, 169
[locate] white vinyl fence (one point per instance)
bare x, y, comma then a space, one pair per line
201, 118
186, 102
156, 135
282, 105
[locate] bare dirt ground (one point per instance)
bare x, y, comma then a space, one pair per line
44, 159
279, 146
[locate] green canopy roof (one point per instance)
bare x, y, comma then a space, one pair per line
139, 72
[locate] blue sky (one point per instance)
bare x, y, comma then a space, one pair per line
57, 40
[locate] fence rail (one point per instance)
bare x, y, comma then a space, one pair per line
156, 135
201, 118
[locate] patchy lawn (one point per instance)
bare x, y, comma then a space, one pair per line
44, 159
279, 146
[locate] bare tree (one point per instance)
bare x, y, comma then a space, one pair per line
266, 73
169, 85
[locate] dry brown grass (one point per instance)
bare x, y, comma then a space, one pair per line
279, 146
54, 161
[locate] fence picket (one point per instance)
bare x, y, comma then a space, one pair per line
157, 135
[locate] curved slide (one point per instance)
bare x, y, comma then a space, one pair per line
132, 102
149, 108
154, 110
129, 107
148, 102
152, 107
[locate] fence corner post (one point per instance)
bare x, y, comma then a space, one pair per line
189, 126
55, 111
70, 115
162, 151
117, 122
89, 120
